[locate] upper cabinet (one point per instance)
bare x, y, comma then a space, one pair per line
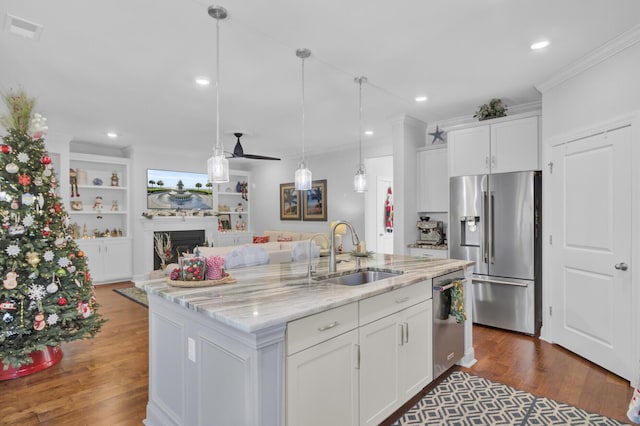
433, 180
507, 145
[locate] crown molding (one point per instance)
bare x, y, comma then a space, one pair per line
408, 120
599, 55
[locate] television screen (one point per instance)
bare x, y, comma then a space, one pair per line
167, 189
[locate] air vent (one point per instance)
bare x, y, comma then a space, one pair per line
22, 27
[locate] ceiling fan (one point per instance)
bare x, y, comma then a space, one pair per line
238, 152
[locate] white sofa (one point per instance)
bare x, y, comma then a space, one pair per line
278, 251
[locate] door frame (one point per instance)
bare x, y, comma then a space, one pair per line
632, 119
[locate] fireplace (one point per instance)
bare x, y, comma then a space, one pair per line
181, 242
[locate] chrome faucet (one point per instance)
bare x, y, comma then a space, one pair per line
309, 267
332, 250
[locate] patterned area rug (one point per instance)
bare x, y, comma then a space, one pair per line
463, 399
135, 294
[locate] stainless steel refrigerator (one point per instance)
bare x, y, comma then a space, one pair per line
495, 222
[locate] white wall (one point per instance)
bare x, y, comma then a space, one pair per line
607, 89
338, 168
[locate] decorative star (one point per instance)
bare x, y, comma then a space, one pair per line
438, 134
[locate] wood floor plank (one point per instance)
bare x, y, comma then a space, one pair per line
104, 381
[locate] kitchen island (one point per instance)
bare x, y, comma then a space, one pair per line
218, 355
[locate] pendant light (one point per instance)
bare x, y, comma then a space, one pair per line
302, 177
360, 178
218, 165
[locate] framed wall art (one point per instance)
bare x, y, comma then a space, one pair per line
315, 201
289, 202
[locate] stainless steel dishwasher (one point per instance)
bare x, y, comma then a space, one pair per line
448, 335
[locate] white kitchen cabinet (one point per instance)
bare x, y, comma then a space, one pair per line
504, 145
433, 181
322, 383
109, 259
395, 350
322, 371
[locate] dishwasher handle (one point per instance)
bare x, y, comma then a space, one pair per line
448, 284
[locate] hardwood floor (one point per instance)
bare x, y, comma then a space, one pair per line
104, 381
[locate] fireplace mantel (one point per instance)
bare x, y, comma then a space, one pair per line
173, 223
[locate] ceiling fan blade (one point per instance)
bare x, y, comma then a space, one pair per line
238, 152
259, 157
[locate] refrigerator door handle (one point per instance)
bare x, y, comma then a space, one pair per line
493, 247
485, 234
492, 281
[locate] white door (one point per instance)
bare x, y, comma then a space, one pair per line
384, 236
591, 211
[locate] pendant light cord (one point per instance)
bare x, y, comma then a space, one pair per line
216, 151
303, 122
360, 121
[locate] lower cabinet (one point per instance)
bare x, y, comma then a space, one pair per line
322, 383
358, 363
109, 259
396, 361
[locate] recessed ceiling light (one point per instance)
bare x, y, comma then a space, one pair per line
421, 98
203, 81
112, 135
368, 132
540, 44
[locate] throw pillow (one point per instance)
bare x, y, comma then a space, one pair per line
261, 239
283, 239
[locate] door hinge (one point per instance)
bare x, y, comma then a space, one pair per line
550, 239
357, 357
550, 164
550, 311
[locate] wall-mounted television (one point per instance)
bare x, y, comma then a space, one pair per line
168, 189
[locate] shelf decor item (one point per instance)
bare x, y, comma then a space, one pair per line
46, 295
494, 109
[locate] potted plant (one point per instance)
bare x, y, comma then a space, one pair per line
494, 109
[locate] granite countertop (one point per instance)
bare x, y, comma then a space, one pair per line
274, 294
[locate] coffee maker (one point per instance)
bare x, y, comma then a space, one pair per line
431, 232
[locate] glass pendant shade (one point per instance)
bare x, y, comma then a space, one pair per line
218, 167
302, 180
360, 180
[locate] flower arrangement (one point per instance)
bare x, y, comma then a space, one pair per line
163, 248
493, 109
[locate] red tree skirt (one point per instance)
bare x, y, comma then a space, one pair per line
41, 360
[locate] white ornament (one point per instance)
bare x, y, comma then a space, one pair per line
48, 255
52, 319
23, 157
37, 291
12, 250
12, 168
52, 287
27, 220
64, 262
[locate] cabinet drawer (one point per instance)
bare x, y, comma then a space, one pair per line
311, 330
385, 304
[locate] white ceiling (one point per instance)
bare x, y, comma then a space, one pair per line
129, 66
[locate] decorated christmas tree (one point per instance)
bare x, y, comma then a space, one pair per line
46, 296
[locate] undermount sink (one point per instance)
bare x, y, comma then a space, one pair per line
359, 277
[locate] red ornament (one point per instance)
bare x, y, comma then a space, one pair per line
6, 149
45, 160
57, 207
62, 301
24, 179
